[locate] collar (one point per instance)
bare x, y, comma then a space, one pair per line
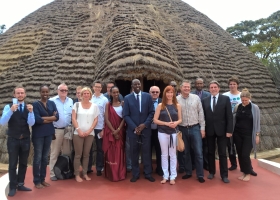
98, 96
217, 96
137, 94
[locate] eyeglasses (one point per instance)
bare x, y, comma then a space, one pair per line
155, 92
97, 87
63, 90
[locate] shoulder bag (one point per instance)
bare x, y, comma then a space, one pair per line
70, 129
180, 142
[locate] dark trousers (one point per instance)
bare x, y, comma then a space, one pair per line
222, 144
99, 152
18, 150
205, 153
232, 156
42, 147
181, 159
156, 145
244, 147
135, 146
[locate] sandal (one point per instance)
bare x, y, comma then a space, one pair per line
45, 184
39, 186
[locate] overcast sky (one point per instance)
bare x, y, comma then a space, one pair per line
226, 13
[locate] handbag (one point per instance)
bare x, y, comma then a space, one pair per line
70, 129
179, 136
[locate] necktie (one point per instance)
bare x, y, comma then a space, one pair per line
20, 108
138, 102
214, 103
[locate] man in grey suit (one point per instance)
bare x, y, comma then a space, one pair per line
199, 85
138, 113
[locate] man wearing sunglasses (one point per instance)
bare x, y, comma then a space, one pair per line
64, 106
155, 92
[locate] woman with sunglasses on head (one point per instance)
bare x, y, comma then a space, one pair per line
246, 121
84, 119
45, 112
114, 138
167, 116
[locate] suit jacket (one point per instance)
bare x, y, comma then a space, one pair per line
132, 115
204, 94
154, 126
219, 122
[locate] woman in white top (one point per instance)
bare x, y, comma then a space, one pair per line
84, 120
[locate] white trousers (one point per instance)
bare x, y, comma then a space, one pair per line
166, 149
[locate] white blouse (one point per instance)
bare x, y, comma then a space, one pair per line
85, 117
119, 110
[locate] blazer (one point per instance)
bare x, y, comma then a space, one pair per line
132, 115
219, 122
204, 94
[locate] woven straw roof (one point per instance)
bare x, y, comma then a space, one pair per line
78, 41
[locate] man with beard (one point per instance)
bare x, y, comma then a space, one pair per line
138, 113
19, 116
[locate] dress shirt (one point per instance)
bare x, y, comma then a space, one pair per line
140, 98
211, 103
101, 102
64, 110
7, 113
155, 102
192, 111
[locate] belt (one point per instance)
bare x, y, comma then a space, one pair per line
190, 126
59, 128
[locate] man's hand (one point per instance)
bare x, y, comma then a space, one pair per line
140, 128
14, 107
228, 135
29, 108
202, 133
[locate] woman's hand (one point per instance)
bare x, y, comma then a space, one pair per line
80, 133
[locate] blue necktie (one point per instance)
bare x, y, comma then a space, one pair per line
20, 108
138, 102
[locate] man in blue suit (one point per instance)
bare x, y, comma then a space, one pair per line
199, 84
138, 113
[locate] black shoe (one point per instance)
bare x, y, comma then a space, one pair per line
225, 180
151, 179
12, 192
201, 179
98, 173
186, 176
23, 188
253, 173
134, 179
232, 168
210, 176
181, 170
89, 171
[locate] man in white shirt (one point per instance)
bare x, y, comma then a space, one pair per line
100, 100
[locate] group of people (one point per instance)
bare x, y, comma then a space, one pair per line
124, 128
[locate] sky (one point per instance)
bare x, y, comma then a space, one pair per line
225, 13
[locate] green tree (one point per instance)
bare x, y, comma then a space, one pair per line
262, 37
2, 28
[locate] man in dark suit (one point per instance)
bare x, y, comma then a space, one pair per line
154, 92
219, 125
199, 84
138, 113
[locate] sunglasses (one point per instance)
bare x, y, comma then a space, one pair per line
174, 85
155, 92
63, 90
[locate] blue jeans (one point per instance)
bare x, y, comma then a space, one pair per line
18, 150
192, 138
42, 147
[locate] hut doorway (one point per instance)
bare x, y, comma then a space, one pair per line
125, 86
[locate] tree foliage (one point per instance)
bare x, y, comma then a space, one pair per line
2, 28
262, 37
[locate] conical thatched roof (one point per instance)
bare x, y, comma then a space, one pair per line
78, 41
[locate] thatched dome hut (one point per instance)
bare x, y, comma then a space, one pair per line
78, 41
